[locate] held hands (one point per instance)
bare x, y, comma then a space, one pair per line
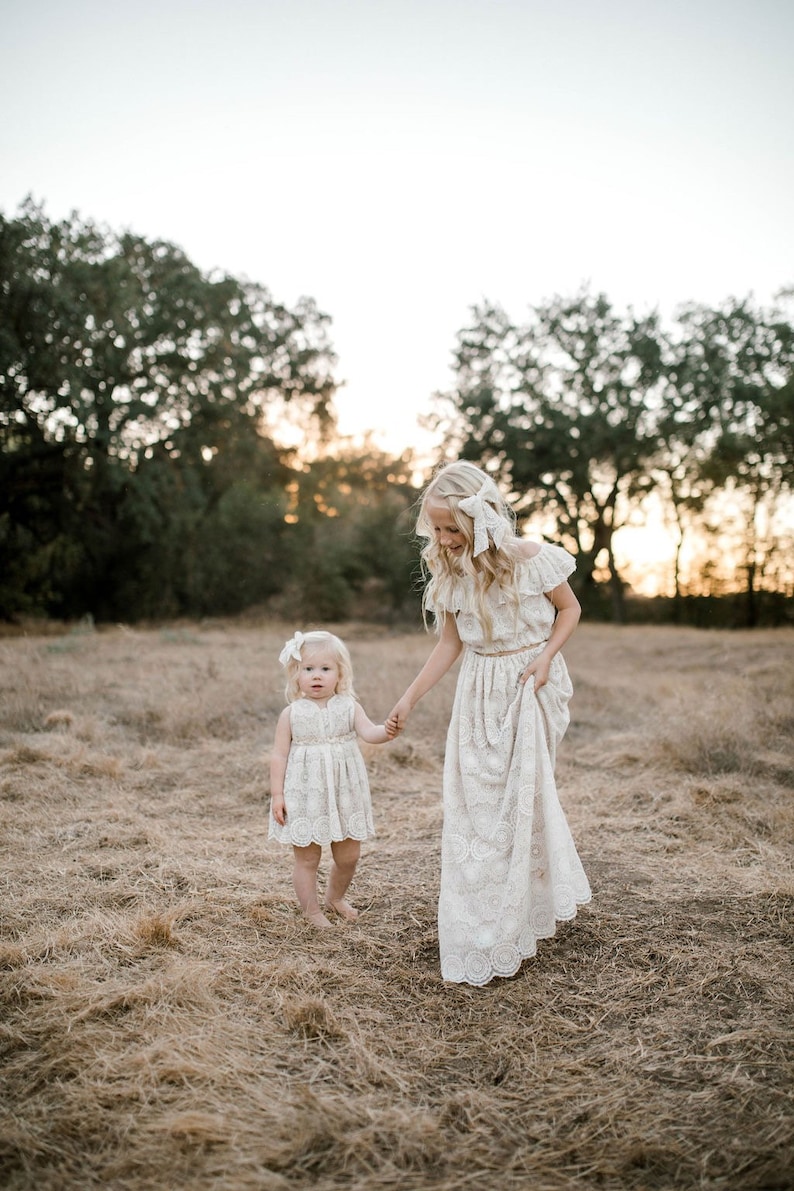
397, 719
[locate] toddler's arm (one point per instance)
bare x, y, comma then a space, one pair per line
372, 733
278, 767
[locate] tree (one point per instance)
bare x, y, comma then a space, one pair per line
564, 410
351, 536
134, 392
730, 420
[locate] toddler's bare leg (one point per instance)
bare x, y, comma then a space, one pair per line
345, 858
304, 878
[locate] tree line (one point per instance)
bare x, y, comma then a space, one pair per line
588, 415
144, 472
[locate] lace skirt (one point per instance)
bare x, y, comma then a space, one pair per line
509, 867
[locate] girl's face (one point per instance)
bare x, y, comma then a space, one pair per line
445, 531
318, 674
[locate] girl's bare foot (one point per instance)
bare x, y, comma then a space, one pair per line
343, 909
318, 919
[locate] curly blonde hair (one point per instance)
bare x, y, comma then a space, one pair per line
452, 483
314, 642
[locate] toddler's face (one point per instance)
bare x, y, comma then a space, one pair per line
318, 676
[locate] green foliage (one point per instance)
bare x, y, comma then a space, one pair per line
729, 414
241, 552
140, 475
135, 394
582, 413
352, 538
562, 410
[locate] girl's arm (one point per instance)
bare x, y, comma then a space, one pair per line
568, 612
278, 767
372, 733
444, 655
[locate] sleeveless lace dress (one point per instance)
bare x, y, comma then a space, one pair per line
326, 789
509, 867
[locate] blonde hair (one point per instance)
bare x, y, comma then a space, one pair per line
313, 642
452, 483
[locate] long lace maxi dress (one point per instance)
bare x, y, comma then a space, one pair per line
509, 867
326, 789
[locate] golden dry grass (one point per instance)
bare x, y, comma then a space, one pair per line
168, 1020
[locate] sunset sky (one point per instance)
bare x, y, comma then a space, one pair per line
400, 160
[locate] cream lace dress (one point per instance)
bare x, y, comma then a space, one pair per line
326, 789
509, 867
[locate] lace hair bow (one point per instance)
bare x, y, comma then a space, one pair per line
487, 521
292, 649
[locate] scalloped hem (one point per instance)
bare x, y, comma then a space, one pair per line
323, 843
466, 975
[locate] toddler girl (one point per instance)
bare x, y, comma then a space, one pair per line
318, 782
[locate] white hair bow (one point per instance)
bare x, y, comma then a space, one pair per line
485, 517
292, 649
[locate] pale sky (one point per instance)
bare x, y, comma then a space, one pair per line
400, 160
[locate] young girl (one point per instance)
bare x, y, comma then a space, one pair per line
509, 867
318, 781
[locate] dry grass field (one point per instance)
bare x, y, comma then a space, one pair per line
168, 1020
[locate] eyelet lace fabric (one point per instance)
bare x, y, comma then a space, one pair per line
509, 866
326, 788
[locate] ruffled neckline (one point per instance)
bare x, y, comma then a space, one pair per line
544, 571
303, 701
